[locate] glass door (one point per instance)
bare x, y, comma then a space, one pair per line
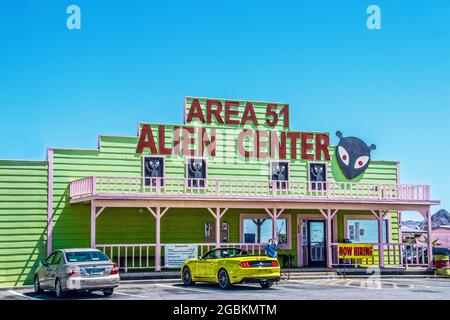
316, 243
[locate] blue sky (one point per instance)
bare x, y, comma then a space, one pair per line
136, 60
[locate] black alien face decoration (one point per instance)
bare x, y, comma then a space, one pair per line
353, 155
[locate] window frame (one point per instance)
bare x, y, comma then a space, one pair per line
387, 218
288, 218
186, 173
271, 162
163, 178
310, 182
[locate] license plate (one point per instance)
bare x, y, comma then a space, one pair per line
95, 271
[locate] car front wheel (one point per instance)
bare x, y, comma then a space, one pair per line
266, 284
223, 279
58, 289
37, 285
187, 277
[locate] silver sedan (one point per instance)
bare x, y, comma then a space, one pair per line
76, 270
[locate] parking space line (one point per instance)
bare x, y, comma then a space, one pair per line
22, 295
184, 288
131, 295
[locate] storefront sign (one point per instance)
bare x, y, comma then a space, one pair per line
355, 251
265, 137
176, 254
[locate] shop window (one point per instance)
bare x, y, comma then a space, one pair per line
365, 231
318, 176
279, 174
153, 171
196, 169
259, 230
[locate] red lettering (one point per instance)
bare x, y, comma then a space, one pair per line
176, 141
285, 113
146, 140
161, 141
259, 144
293, 136
206, 141
307, 146
322, 144
240, 143
188, 141
271, 113
230, 112
249, 114
276, 144
213, 112
195, 112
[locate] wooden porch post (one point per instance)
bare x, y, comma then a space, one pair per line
379, 215
93, 221
426, 214
329, 215
217, 214
274, 214
158, 215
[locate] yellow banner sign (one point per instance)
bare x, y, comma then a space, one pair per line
355, 251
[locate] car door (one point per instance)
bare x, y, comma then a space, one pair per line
53, 269
44, 272
203, 265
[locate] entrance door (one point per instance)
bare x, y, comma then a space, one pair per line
316, 243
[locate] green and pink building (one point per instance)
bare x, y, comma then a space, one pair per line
232, 174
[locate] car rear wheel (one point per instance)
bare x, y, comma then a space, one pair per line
187, 277
266, 284
58, 289
223, 279
108, 292
37, 285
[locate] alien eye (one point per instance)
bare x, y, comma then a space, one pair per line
361, 162
344, 155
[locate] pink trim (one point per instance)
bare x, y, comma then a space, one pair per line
243, 216
50, 202
93, 223
298, 190
300, 218
369, 216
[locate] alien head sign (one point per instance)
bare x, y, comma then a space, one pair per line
353, 155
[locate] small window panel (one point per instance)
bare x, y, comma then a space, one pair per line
317, 176
279, 174
196, 171
154, 169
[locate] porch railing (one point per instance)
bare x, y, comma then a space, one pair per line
141, 256
395, 254
253, 189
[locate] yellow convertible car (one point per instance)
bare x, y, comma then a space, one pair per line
228, 266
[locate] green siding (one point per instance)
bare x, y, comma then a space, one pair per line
23, 220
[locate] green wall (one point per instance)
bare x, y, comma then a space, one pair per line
23, 220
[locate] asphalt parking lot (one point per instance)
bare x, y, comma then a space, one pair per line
301, 289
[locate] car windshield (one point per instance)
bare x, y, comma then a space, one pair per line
225, 253
86, 256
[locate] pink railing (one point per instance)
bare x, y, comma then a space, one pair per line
141, 256
395, 254
82, 187
255, 189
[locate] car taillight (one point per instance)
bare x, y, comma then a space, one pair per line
275, 263
115, 269
73, 270
245, 264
